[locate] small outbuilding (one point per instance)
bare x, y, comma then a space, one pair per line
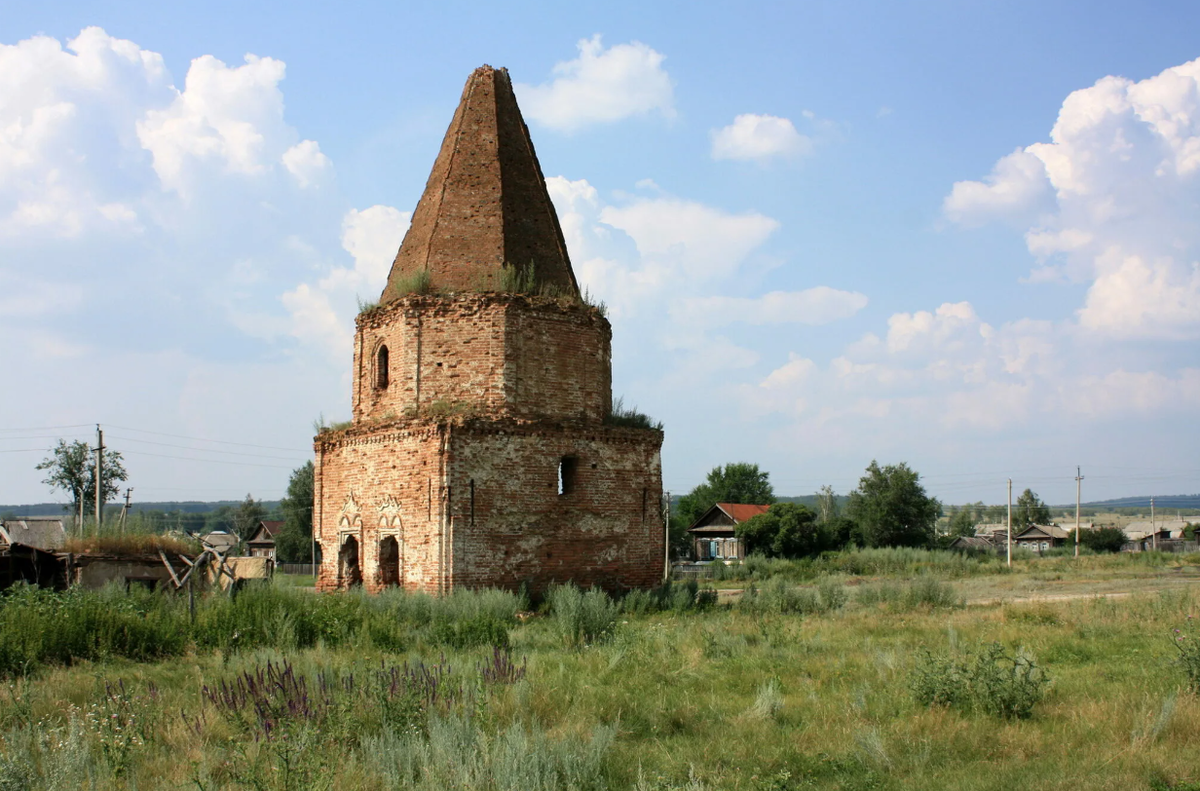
221, 542
714, 534
47, 533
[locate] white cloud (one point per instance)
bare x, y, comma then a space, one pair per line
600, 86
812, 306
306, 162
759, 137
1110, 201
228, 117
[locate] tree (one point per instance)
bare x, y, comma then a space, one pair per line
965, 518
891, 508
72, 469
1103, 539
827, 502
247, 516
734, 483
787, 530
1029, 510
294, 542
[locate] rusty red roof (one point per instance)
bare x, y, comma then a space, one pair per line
740, 512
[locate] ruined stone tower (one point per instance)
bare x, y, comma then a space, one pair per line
481, 450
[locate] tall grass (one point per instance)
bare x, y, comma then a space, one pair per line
40, 627
581, 617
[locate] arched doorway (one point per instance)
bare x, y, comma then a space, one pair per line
389, 562
349, 573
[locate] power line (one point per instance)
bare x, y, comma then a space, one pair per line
208, 461
47, 428
203, 450
202, 439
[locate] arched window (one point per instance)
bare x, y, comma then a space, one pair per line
381, 368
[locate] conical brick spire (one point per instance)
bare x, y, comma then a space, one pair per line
485, 205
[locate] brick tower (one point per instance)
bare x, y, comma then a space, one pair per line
482, 450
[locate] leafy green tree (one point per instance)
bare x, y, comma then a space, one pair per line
1029, 510
788, 530
247, 516
891, 508
1103, 539
734, 483
71, 468
839, 533
294, 543
965, 518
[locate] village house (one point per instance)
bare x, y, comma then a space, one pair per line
1040, 538
482, 448
714, 534
262, 543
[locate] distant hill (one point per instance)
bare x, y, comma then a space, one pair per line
1160, 501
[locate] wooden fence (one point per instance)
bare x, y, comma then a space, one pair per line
294, 568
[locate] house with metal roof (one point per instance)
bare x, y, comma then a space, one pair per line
714, 534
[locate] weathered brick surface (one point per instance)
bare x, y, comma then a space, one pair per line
502, 354
485, 204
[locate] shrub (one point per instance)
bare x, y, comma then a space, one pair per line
1103, 539
580, 617
678, 597
990, 681
1186, 642
926, 591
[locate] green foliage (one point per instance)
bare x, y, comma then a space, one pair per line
891, 508
581, 617
71, 468
787, 530
1029, 510
676, 597
294, 542
1103, 539
965, 517
1187, 643
925, 592
39, 627
990, 680
630, 417
454, 751
778, 596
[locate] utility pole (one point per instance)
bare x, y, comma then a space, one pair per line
1153, 529
99, 477
1009, 541
1078, 478
666, 536
125, 509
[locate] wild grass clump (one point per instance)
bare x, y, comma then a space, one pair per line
630, 417
1187, 644
418, 283
924, 592
676, 597
581, 617
777, 595
768, 701
454, 751
990, 680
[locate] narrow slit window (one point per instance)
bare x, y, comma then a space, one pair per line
567, 467
381, 368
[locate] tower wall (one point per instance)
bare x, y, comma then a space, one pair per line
494, 354
386, 482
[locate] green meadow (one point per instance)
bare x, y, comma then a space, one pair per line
874, 669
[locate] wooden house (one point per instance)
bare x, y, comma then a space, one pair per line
1040, 538
262, 543
714, 533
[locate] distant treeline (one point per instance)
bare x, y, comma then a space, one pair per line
187, 517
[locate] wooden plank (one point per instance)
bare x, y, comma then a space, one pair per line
167, 563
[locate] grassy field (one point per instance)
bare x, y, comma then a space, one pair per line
817, 676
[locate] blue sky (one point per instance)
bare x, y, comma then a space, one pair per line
960, 235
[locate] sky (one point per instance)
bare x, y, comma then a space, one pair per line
957, 235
